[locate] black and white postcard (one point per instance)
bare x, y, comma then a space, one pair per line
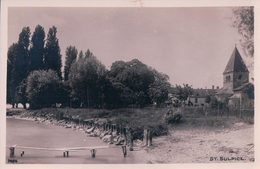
129, 82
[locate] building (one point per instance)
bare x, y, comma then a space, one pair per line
236, 90
201, 97
243, 97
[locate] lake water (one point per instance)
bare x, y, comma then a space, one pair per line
34, 134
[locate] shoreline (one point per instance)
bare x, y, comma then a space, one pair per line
186, 144
39, 135
107, 136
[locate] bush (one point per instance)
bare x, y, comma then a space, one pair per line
42, 88
172, 117
160, 130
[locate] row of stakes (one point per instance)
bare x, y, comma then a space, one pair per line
65, 153
147, 140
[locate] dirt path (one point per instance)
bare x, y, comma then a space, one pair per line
235, 144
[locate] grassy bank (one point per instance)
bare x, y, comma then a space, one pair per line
136, 118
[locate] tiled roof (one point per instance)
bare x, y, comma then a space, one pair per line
243, 86
235, 63
225, 91
203, 92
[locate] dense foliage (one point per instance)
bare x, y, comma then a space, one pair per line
244, 22
43, 88
29, 54
85, 80
183, 92
18, 66
71, 55
34, 77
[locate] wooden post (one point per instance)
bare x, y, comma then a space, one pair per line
240, 107
150, 138
145, 139
121, 130
117, 129
22, 153
131, 141
124, 150
104, 126
107, 127
111, 139
218, 109
12, 151
112, 127
93, 153
124, 135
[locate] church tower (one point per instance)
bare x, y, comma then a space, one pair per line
236, 72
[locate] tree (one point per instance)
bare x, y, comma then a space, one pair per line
11, 73
143, 85
22, 60
244, 22
42, 88
88, 54
208, 99
183, 92
116, 94
17, 66
71, 55
84, 79
21, 96
52, 52
37, 49
24, 38
80, 54
159, 89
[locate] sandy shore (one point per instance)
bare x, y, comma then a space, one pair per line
187, 145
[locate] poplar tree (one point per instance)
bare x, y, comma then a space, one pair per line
52, 52
18, 68
71, 56
37, 49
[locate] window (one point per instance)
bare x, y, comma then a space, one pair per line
239, 77
228, 78
196, 100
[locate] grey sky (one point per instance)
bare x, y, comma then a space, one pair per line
191, 45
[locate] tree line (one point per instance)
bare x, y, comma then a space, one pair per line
35, 76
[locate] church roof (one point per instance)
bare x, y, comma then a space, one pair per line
235, 63
200, 93
244, 86
225, 91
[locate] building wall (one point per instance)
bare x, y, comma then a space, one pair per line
228, 81
241, 98
240, 78
233, 80
198, 101
247, 103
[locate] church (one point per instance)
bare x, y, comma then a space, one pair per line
237, 91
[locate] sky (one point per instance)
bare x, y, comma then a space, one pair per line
191, 45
